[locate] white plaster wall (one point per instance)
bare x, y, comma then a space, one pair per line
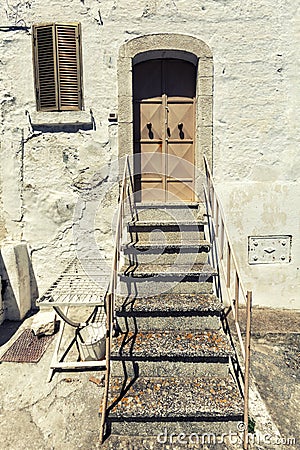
256, 135
255, 209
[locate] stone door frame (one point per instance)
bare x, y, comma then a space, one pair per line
167, 45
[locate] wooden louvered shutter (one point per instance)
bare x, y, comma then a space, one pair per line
69, 66
45, 68
57, 59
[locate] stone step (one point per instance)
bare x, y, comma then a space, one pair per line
169, 345
166, 232
163, 368
180, 271
169, 311
170, 211
159, 285
169, 247
166, 236
205, 304
166, 225
151, 279
172, 252
145, 406
160, 353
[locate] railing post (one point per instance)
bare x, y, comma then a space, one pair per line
247, 368
212, 198
222, 239
236, 296
107, 357
217, 217
228, 265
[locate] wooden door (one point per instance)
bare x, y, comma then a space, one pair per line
164, 122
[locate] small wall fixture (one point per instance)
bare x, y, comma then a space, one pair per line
269, 249
113, 117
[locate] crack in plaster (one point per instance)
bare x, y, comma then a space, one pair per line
82, 186
52, 244
14, 10
20, 152
94, 12
60, 235
32, 135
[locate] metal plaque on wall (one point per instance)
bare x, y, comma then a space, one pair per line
269, 249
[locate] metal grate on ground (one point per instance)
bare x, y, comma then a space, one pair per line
83, 282
27, 348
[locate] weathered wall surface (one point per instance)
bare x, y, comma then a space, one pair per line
48, 176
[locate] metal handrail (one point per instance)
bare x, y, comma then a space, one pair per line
126, 188
224, 245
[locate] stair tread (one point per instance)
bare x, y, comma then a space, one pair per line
171, 344
169, 303
156, 203
182, 243
175, 397
148, 270
164, 222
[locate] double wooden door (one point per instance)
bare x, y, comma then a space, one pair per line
164, 129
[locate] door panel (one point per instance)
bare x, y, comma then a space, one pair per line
151, 160
164, 130
180, 161
152, 191
181, 120
180, 190
151, 121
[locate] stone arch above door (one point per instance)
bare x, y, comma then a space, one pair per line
168, 45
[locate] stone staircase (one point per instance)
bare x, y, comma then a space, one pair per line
170, 359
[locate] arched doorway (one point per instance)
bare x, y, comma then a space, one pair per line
165, 109
164, 93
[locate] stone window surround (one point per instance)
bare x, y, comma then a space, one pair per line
166, 45
60, 117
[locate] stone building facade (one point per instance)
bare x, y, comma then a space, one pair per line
60, 166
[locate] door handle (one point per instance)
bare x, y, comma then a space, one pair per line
149, 126
181, 132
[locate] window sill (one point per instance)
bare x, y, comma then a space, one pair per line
68, 121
